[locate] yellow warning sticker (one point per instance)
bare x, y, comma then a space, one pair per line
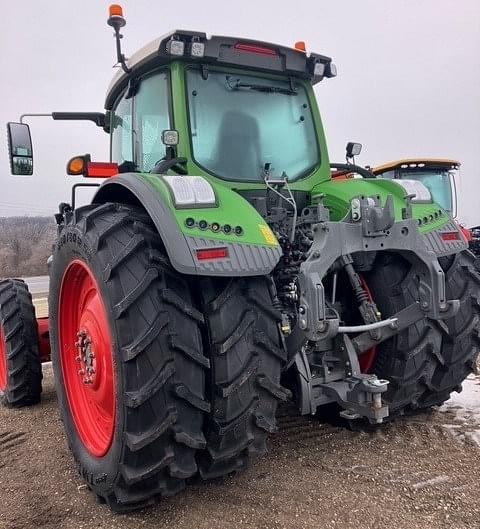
267, 234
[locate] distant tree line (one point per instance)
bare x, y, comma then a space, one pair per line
25, 245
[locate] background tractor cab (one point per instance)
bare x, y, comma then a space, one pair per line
437, 175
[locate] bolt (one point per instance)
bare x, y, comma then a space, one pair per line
92, 355
81, 372
424, 304
78, 359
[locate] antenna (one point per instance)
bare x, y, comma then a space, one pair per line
116, 20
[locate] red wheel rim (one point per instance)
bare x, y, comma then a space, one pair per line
367, 358
86, 358
3, 361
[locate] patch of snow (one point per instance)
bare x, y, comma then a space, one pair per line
466, 408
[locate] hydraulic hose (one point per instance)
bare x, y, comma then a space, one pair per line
368, 327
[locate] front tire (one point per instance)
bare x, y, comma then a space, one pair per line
127, 355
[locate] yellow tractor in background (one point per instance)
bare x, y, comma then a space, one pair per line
439, 176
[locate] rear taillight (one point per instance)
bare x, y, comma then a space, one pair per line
101, 169
449, 236
212, 253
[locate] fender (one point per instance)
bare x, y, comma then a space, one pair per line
244, 259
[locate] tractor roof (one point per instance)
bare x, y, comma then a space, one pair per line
417, 163
225, 51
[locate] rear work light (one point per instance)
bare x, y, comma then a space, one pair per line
197, 49
176, 47
190, 191
450, 236
207, 254
251, 48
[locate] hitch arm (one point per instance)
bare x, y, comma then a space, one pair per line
405, 318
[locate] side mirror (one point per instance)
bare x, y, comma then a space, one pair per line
20, 149
353, 149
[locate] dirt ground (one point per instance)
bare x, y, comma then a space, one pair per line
419, 472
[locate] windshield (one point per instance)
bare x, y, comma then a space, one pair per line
239, 123
437, 181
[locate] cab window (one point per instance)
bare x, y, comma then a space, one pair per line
138, 122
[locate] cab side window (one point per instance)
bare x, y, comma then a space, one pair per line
121, 127
138, 122
151, 118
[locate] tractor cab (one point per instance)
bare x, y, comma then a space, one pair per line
437, 175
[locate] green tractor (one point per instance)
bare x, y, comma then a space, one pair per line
220, 271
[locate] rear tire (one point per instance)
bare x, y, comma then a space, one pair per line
428, 361
246, 357
156, 353
20, 368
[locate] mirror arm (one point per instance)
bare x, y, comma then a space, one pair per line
97, 117
365, 173
34, 116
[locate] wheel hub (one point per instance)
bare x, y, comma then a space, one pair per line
85, 358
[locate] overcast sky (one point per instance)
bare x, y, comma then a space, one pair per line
408, 83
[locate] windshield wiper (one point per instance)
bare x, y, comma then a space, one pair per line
236, 84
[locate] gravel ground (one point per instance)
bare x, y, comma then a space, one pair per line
420, 472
